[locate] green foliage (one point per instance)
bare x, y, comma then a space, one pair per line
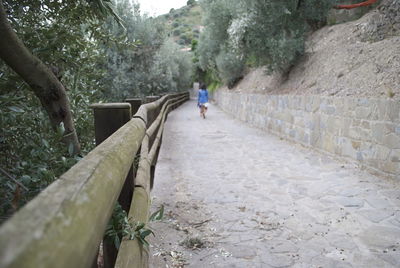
261, 32
181, 23
190, 2
172, 69
120, 227
230, 67
187, 38
217, 17
194, 44
96, 60
31, 151
176, 32
128, 66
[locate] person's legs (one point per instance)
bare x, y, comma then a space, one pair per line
203, 111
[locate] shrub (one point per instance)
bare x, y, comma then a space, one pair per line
191, 2
172, 69
268, 32
230, 67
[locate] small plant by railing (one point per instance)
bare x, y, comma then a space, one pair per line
120, 226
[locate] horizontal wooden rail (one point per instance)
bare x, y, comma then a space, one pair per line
63, 225
133, 254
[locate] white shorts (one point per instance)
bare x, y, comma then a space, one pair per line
205, 104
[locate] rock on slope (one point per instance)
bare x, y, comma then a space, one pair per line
359, 58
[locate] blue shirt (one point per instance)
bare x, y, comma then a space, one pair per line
203, 96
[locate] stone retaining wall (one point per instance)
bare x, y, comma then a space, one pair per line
366, 130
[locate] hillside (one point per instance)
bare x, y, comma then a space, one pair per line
184, 24
359, 58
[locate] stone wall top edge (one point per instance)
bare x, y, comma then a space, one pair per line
311, 95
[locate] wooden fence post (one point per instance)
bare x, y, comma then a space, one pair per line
135, 104
108, 118
151, 98
153, 114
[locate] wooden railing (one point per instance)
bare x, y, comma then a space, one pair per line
64, 225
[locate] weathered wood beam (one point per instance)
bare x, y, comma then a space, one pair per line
63, 226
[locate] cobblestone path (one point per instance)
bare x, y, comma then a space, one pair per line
235, 196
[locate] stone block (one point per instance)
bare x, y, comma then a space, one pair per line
348, 149
339, 105
375, 215
354, 133
380, 237
359, 133
392, 141
278, 125
299, 133
327, 106
288, 117
356, 145
395, 156
355, 122
387, 110
363, 102
380, 111
380, 152
365, 151
315, 139
304, 100
299, 121
306, 138
359, 156
333, 125
311, 125
365, 125
390, 167
295, 102
393, 111
279, 115
292, 133
379, 130
323, 122
338, 145
348, 107
331, 110
313, 104
345, 124
363, 112
328, 143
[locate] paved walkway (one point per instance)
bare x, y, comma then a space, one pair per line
238, 197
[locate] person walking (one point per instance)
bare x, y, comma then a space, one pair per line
202, 100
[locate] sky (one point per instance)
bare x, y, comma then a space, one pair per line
158, 7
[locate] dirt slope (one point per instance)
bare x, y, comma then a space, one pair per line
359, 58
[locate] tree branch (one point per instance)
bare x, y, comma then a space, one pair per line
40, 78
13, 179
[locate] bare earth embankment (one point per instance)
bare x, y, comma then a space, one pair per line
360, 59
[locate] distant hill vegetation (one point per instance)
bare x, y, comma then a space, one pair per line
184, 24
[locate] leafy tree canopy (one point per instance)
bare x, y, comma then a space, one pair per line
96, 59
258, 32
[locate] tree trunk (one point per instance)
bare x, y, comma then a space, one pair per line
39, 77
